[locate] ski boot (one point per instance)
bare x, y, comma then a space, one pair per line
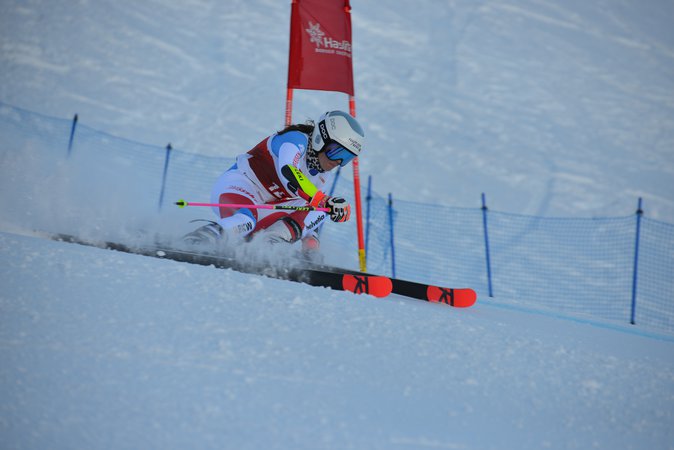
210, 234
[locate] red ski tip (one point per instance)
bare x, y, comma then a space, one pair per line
459, 298
367, 284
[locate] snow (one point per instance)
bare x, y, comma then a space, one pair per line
551, 108
104, 349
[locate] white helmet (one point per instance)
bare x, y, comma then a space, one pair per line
340, 128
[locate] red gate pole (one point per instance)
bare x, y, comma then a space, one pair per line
362, 257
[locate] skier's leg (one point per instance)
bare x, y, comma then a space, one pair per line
232, 223
280, 227
235, 188
287, 226
236, 223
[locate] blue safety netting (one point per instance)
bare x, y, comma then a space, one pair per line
576, 266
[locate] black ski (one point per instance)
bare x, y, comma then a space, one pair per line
315, 275
375, 285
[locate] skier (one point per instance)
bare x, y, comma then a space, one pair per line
290, 167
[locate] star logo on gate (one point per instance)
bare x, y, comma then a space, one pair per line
315, 33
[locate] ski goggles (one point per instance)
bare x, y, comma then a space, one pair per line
335, 152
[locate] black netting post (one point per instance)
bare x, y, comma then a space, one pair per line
486, 243
72, 135
163, 180
635, 272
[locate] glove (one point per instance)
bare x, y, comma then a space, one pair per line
339, 208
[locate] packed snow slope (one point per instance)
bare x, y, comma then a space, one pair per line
555, 107
102, 349
560, 108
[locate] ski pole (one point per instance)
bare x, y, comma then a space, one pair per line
183, 203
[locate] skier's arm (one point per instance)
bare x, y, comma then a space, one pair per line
299, 184
340, 211
289, 148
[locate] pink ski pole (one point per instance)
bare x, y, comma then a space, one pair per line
183, 203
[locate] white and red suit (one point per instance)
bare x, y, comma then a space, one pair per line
257, 178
